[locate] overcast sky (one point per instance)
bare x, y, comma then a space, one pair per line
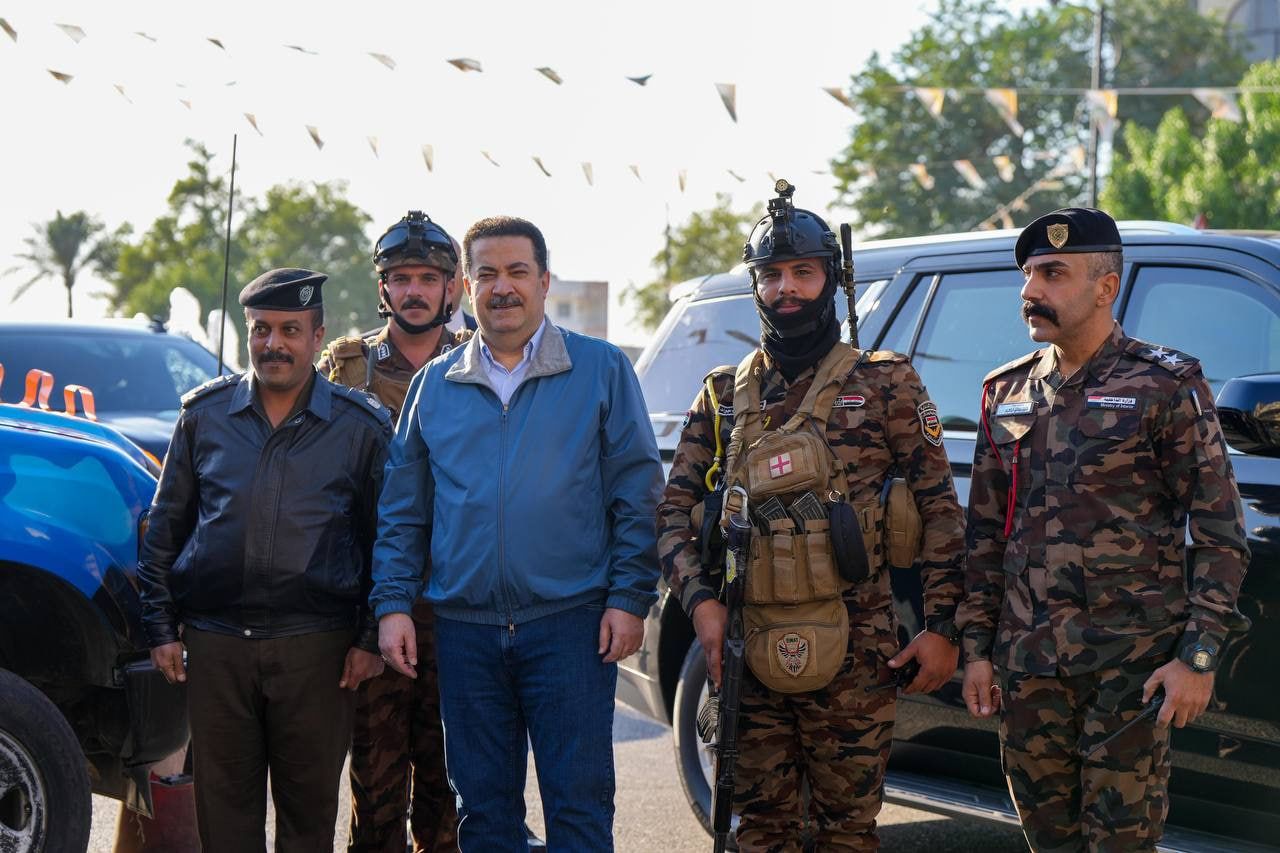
84, 146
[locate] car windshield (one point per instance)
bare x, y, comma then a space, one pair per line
126, 372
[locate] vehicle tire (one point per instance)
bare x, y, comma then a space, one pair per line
45, 804
694, 759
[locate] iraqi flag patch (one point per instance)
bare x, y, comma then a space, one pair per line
1103, 401
929, 423
849, 401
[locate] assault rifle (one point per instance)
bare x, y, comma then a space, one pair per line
737, 538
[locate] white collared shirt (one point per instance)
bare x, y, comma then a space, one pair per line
505, 382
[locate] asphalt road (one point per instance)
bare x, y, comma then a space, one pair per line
652, 814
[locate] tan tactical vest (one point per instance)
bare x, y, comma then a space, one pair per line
353, 364
797, 627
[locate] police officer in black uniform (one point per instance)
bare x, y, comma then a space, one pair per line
257, 561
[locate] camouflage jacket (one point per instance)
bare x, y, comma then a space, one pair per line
372, 363
1080, 568
876, 428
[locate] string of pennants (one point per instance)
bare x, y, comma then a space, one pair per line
1102, 104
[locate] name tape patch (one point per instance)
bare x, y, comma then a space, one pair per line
725, 411
1102, 401
849, 401
1005, 410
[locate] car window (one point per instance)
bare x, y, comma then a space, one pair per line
707, 333
1230, 323
125, 372
972, 326
902, 330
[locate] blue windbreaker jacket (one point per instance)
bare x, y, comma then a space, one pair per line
527, 509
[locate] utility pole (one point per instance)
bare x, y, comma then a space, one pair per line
1096, 78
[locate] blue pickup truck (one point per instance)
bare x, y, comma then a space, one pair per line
951, 303
81, 707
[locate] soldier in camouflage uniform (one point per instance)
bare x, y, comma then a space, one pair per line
397, 723
882, 425
1095, 457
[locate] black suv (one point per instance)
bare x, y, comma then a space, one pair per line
951, 303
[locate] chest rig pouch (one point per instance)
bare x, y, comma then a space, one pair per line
354, 363
797, 626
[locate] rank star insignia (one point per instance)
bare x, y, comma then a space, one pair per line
1057, 234
929, 423
304, 293
1171, 359
793, 653
1158, 353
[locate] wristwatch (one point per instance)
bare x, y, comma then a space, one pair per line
945, 628
1200, 656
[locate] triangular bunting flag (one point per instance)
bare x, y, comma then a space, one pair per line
1004, 167
315, 137
589, 174
120, 89
385, 60
464, 64
185, 102
922, 175
429, 157
551, 75
149, 38
931, 98
373, 144
682, 178
537, 161
640, 81
489, 157
729, 96
635, 170
1220, 104
73, 32
736, 176
970, 174
216, 43
300, 49
253, 122
8, 30
60, 76
1006, 103
839, 95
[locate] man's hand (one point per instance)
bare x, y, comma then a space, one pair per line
710, 618
937, 659
1186, 693
168, 659
980, 691
359, 666
621, 634
398, 640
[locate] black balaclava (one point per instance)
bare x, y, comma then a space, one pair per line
801, 339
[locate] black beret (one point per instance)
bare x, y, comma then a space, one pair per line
1070, 230
288, 289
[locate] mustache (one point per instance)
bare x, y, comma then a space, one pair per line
413, 302
269, 357
790, 300
1034, 309
504, 302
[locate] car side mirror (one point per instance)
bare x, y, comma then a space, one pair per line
1249, 411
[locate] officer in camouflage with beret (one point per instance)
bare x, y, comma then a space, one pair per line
397, 749
818, 702
1095, 458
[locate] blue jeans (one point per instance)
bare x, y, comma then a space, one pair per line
543, 683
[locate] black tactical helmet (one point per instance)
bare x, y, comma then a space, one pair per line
415, 239
788, 234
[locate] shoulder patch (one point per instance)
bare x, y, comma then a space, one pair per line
209, 387
1178, 363
364, 400
1017, 362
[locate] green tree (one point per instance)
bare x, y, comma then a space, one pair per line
311, 226
316, 227
66, 246
1229, 172
980, 44
709, 242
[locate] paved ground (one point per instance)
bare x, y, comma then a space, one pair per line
652, 814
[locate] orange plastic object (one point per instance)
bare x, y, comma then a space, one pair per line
86, 397
1, 377
39, 387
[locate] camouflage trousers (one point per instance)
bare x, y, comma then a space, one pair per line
837, 739
1116, 799
397, 759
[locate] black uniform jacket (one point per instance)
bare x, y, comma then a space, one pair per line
261, 532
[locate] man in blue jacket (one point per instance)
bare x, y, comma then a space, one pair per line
520, 491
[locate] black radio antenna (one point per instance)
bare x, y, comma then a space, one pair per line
226, 256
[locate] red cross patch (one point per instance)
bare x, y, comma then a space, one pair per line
780, 465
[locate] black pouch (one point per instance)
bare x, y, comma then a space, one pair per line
710, 534
847, 545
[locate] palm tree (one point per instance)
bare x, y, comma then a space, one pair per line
66, 246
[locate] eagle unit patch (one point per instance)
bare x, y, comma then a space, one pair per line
929, 423
793, 653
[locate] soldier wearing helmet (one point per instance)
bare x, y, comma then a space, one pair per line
823, 659
397, 748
